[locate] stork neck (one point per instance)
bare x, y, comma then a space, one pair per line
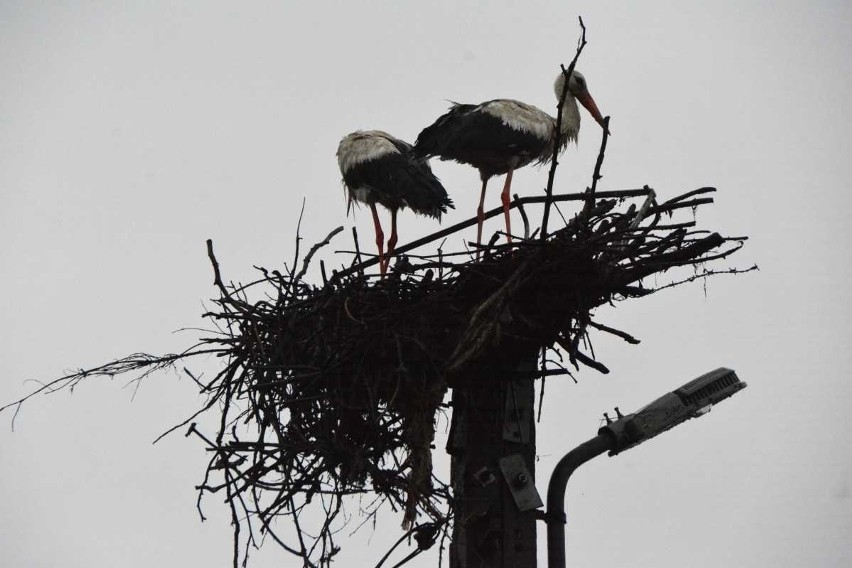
570, 118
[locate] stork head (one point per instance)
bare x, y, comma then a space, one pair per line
577, 88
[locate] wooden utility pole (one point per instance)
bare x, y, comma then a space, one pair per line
492, 443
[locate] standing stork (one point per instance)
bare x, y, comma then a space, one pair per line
378, 168
497, 137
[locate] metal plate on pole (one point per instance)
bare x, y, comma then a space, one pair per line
520, 482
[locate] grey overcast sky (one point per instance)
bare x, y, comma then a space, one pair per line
130, 132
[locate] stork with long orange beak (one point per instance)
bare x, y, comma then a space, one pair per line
499, 136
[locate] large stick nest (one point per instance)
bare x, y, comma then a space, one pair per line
342, 382
333, 390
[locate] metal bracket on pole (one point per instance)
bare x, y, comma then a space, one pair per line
520, 482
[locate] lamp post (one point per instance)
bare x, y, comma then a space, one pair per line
691, 400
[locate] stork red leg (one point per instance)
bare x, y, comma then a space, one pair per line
391, 240
380, 238
504, 197
480, 217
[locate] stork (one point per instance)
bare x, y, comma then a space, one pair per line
499, 136
379, 168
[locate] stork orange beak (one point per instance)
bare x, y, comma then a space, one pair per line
587, 101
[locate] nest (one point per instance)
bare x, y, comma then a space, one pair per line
341, 383
333, 390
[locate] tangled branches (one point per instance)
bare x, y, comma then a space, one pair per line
333, 390
340, 384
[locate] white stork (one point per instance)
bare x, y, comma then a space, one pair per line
497, 137
379, 168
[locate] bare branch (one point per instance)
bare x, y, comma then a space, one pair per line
313, 250
557, 134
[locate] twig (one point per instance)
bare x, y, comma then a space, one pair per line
688, 194
590, 194
643, 211
671, 206
706, 274
589, 362
217, 276
618, 333
314, 249
137, 362
357, 259
523, 216
557, 134
298, 242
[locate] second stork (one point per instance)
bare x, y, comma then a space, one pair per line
379, 168
497, 137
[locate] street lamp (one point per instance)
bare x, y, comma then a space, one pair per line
693, 399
